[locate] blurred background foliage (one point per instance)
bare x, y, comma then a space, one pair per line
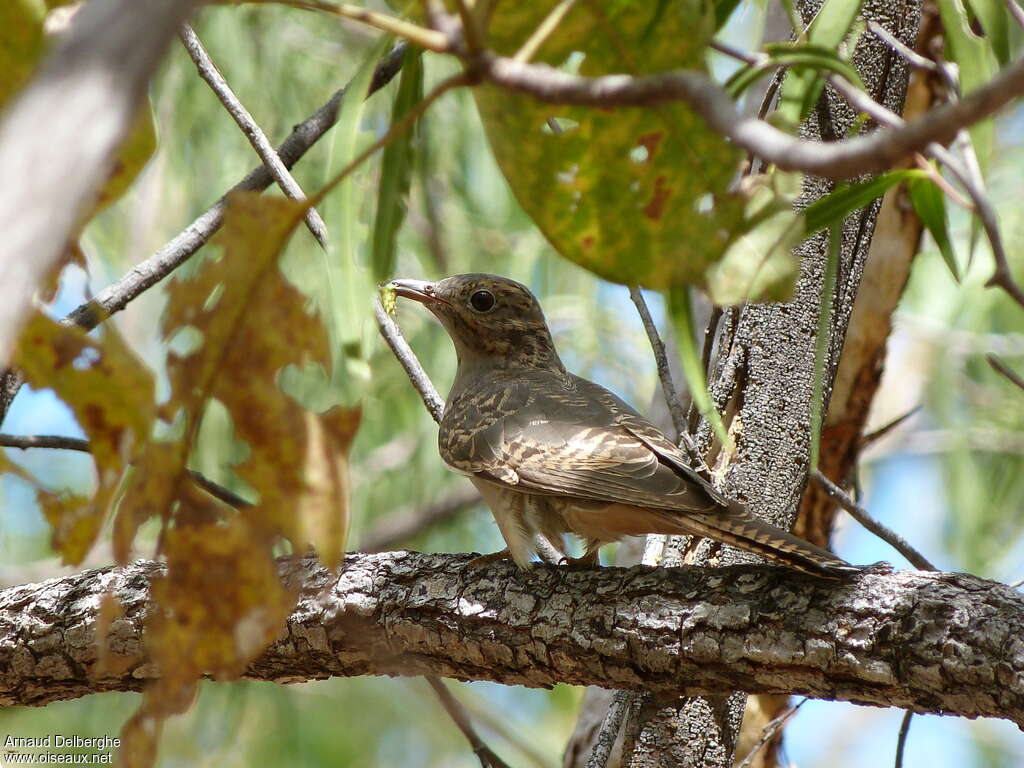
951, 479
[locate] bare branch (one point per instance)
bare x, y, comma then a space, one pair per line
116, 296
971, 182
901, 741
393, 336
862, 516
259, 141
184, 245
24, 442
878, 639
58, 138
769, 733
868, 153
1005, 370
459, 716
668, 387
885, 429
1016, 11
909, 54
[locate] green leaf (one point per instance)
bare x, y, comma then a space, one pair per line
343, 292
994, 18
799, 57
396, 170
634, 195
760, 261
802, 86
930, 206
977, 64
821, 340
835, 206
690, 358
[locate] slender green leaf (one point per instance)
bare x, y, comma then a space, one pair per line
930, 206
977, 64
835, 206
994, 18
821, 341
396, 170
346, 311
690, 358
828, 29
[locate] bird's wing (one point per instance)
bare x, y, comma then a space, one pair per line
545, 435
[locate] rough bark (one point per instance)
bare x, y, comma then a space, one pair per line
893, 247
943, 643
764, 377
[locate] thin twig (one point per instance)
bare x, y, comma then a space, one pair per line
912, 57
901, 741
415, 34
1004, 369
878, 434
973, 185
1018, 583
769, 731
184, 245
668, 387
693, 416
396, 528
471, 33
459, 716
59, 442
393, 336
867, 153
259, 141
396, 130
862, 516
1016, 11
529, 49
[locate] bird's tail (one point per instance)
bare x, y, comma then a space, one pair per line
736, 526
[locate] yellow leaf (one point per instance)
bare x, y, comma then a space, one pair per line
111, 393
323, 507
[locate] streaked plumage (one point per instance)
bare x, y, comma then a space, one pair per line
553, 453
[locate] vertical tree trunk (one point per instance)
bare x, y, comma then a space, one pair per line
763, 378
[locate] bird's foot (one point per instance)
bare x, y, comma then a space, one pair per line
493, 557
586, 560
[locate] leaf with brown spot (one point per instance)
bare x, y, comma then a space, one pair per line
111, 393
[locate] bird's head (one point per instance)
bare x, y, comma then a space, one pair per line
491, 319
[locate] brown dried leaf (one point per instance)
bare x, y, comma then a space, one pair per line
323, 507
221, 601
254, 323
111, 393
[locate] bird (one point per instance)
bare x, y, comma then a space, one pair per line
552, 453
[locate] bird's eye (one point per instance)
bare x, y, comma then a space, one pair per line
482, 301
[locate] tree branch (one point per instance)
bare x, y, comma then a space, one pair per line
861, 515
868, 153
259, 141
879, 639
149, 272
420, 380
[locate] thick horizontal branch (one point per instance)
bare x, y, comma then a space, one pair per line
869, 153
930, 642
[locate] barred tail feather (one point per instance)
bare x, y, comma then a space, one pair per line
739, 528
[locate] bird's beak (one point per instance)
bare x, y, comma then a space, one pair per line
417, 290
